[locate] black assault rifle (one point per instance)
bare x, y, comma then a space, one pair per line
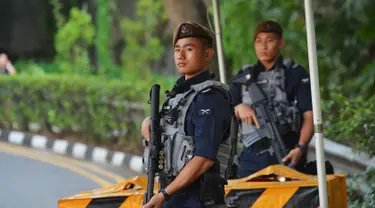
155, 142
264, 114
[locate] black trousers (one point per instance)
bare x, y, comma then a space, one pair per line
250, 161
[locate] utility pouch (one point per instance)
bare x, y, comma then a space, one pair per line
146, 154
167, 148
212, 189
182, 153
296, 115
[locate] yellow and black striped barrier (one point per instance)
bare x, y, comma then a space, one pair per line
280, 187
273, 187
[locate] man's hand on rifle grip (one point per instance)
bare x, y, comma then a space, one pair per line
155, 202
247, 114
146, 123
294, 156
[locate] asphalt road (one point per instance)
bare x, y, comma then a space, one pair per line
38, 179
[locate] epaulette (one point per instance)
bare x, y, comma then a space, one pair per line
289, 63
246, 67
208, 90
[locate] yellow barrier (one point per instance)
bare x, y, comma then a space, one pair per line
276, 186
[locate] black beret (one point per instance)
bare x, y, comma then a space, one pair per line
268, 26
192, 29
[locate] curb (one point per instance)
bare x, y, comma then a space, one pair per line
344, 152
134, 162
75, 150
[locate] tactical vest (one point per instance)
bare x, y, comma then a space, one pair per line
178, 147
272, 83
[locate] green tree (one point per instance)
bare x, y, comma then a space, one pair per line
71, 42
103, 38
142, 46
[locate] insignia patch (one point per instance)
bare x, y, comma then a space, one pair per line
265, 81
206, 91
248, 76
304, 81
185, 29
205, 112
167, 107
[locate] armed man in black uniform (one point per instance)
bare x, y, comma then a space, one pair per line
196, 121
287, 86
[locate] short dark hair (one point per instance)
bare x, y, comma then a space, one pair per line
206, 43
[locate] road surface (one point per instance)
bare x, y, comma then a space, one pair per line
33, 178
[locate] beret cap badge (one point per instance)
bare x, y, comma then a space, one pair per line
185, 28
191, 29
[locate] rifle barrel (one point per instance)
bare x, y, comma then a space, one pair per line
154, 144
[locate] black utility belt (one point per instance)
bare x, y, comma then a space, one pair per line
208, 178
165, 181
211, 188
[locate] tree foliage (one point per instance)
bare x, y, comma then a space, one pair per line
71, 42
103, 41
142, 44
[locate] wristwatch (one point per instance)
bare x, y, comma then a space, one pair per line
302, 148
165, 194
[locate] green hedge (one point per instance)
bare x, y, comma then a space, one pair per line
92, 108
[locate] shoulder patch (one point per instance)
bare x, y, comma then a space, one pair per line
247, 66
205, 112
305, 80
206, 90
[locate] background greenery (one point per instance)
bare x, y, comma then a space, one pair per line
96, 111
86, 102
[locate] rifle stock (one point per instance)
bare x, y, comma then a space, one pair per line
155, 143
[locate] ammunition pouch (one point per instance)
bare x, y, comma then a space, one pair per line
288, 118
212, 189
146, 154
297, 119
178, 150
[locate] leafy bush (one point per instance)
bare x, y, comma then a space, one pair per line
350, 120
99, 110
362, 197
83, 106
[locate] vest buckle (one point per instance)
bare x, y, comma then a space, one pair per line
182, 101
